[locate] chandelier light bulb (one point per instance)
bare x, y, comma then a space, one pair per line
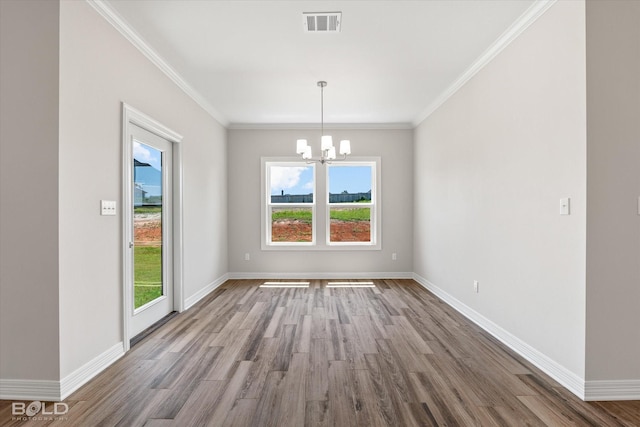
301, 145
326, 142
345, 147
331, 153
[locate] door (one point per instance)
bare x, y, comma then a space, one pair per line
150, 245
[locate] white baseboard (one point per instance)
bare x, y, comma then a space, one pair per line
30, 390
189, 302
86, 372
572, 382
612, 390
55, 391
322, 275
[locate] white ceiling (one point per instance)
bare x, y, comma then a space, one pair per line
250, 62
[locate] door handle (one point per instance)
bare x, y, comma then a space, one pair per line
130, 245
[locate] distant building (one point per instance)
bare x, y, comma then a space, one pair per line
147, 183
343, 197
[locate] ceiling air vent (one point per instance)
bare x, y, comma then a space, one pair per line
318, 22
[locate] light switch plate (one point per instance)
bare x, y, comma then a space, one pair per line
107, 207
565, 206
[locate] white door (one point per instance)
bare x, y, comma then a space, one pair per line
150, 244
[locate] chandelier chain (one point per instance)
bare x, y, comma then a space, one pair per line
322, 85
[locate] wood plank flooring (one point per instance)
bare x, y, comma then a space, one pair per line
392, 355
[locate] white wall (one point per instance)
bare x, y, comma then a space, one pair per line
246, 147
613, 167
29, 348
99, 69
490, 168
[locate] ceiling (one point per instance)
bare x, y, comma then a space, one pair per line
251, 62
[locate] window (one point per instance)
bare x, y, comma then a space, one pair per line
290, 203
320, 207
351, 203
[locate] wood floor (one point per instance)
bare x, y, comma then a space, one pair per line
393, 355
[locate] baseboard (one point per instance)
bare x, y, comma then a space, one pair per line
193, 299
322, 275
30, 390
86, 372
55, 391
612, 390
562, 375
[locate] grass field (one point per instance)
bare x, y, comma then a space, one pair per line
304, 215
350, 214
147, 274
147, 209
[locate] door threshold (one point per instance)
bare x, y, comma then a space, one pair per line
151, 329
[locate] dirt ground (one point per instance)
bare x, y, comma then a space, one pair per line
148, 231
341, 231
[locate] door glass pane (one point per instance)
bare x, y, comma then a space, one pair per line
291, 224
147, 224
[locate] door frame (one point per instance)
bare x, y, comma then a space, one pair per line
132, 116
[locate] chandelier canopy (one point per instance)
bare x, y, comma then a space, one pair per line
327, 149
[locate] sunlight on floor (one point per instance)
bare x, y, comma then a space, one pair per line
285, 285
350, 285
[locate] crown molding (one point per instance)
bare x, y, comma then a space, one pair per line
338, 126
120, 24
522, 23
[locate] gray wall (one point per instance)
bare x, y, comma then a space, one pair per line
246, 147
65, 72
490, 168
99, 69
613, 177
29, 281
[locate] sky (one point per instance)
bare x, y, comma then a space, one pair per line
144, 153
299, 179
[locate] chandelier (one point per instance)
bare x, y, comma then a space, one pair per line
327, 150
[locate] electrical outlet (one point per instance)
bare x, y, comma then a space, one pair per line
476, 286
394, 256
247, 256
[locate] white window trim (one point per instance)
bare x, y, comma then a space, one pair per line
266, 242
373, 205
320, 204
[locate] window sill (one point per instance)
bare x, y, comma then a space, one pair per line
302, 247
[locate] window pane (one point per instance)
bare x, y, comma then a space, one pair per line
350, 224
350, 184
291, 225
291, 184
